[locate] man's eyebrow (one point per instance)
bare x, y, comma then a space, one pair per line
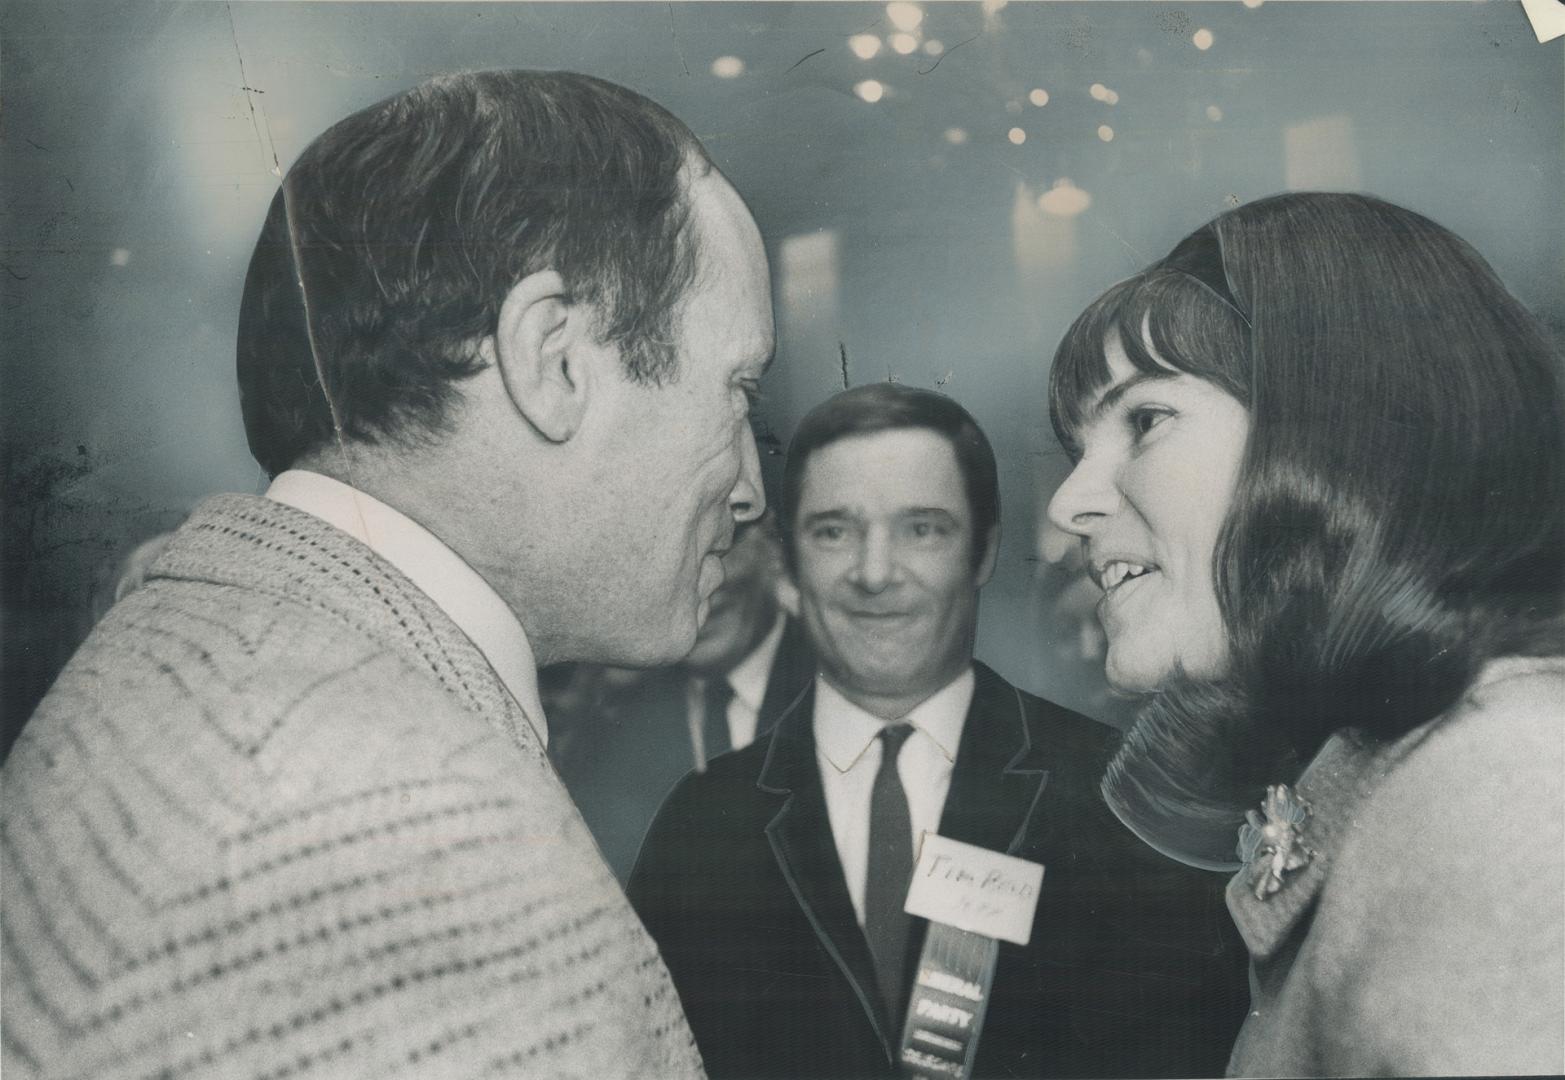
927, 511
1118, 390
833, 514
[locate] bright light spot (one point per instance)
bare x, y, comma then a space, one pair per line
934, 47
864, 46
956, 136
728, 67
1112, 98
1202, 39
1105, 133
1039, 98
904, 43
903, 15
1014, 107
808, 283
1253, 3
1098, 91
1064, 199
1213, 113
1017, 136
119, 257
992, 6
870, 91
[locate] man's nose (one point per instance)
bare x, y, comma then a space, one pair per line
876, 565
748, 498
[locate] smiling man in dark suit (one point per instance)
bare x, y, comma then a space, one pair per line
774, 881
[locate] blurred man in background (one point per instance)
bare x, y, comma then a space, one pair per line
288, 810
621, 739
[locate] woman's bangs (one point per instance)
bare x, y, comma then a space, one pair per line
1080, 368
1188, 331
1182, 325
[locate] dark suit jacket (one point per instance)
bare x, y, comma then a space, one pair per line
1133, 969
620, 759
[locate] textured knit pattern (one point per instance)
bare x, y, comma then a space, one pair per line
279, 818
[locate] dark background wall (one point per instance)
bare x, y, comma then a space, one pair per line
914, 237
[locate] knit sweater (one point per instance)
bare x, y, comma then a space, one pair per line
279, 818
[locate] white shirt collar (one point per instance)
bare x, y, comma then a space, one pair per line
750, 676
456, 588
843, 730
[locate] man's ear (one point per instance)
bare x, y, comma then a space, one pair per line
990, 556
537, 346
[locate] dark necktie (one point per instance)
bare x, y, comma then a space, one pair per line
714, 716
886, 925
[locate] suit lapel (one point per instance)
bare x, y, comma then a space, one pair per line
801, 841
793, 669
996, 782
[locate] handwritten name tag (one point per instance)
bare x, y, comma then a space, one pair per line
974, 889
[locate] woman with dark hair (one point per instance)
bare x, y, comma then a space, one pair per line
1320, 476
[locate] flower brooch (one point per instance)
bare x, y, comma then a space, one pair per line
1274, 846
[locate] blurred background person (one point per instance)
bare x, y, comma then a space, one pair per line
622, 738
1320, 479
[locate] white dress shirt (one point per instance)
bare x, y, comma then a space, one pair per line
848, 752
456, 588
748, 679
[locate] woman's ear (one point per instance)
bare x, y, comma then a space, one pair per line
537, 346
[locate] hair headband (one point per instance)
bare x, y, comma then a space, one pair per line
1199, 257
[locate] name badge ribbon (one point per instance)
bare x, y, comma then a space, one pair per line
974, 899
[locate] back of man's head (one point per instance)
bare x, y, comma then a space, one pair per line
388, 251
888, 406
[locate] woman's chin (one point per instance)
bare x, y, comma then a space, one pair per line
1126, 676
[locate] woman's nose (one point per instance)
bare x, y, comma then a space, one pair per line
1087, 496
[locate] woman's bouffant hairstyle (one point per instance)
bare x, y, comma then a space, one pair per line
1399, 515
396, 236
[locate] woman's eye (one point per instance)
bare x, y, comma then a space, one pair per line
1143, 420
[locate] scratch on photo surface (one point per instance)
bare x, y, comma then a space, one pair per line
673, 34
948, 52
263, 134
257, 120
1141, 256
842, 353
805, 57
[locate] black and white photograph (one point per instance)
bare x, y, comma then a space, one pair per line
940, 538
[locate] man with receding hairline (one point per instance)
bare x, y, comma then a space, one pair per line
288, 810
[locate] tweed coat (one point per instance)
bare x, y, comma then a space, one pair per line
1427, 934
1133, 968
279, 818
